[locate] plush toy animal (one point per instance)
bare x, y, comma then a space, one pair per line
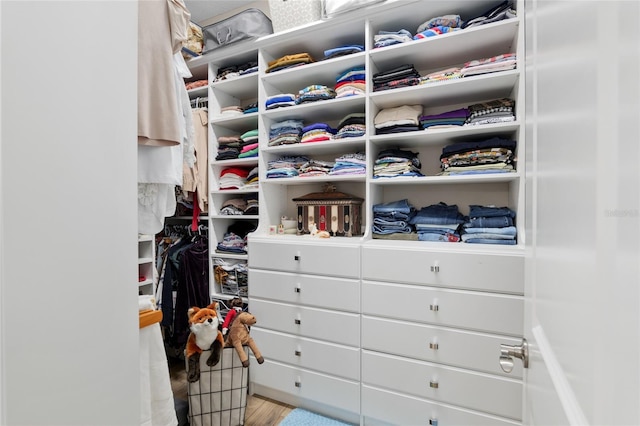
239, 336
203, 323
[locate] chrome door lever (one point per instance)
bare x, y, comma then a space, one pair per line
518, 351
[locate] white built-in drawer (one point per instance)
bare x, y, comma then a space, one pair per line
321, 257
466, 349
381, 407
321, 388
489, 312
311, 354
310, 290
323, 324
488, 272
500, 396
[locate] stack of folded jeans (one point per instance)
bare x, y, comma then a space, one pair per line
438, 222
392, 217
489, 225
285, 132
403, 76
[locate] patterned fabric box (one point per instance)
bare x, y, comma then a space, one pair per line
335, 212
287, 14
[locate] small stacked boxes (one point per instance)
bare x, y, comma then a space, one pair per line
335, 212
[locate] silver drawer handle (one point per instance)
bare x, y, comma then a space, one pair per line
297, 321
433, 384
296, 257
298, 353
297, 290
433, 346
298, 384
434, 307
433, 422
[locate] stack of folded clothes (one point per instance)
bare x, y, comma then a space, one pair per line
317, 132
438, 222
350, 164
252, 107
315, 92
285, 132
489, 225
285, 166
233, 177
351, 126
504, 62
233, 207
502, 11
252, 203
389, 38
315, 168
438, 25
394, 162
228, 147
343, 50
403, 76
289, 61
233, 71
453, 118
441, 75
351, 82
251, 182
232, 243
403, 118
392, 218
280, 100
249, 146
494, 155
496, 111
228, 111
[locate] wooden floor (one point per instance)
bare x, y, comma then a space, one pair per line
260, 411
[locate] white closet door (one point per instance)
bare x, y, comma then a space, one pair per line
583, 213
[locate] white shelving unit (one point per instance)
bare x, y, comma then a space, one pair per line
147, 272
387, 309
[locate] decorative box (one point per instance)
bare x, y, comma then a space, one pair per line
287, 14
335, 212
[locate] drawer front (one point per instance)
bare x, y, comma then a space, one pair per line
477, 351
487, 272
495, 395
409, 410
323, 259
310, 290
337, 327
320, 388
301, 352
496, 313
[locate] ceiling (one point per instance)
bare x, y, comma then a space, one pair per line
202, 10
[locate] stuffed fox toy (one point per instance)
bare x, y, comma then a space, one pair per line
204, 335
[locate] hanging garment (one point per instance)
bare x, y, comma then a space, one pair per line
162, 28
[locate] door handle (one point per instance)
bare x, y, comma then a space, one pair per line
507, 352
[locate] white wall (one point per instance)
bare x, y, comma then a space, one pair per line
68, 220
